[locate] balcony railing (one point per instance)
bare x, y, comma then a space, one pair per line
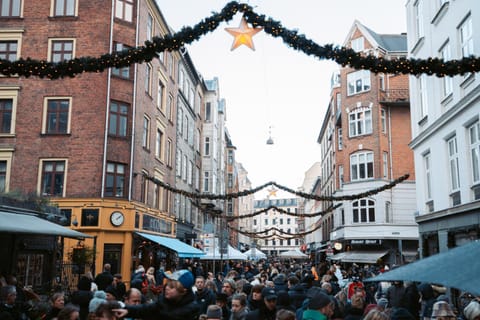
395, 95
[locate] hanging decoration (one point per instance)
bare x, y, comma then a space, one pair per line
276, 233
280, 210
235, 195
344, 56
243, 35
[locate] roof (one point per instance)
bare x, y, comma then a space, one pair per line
390, 42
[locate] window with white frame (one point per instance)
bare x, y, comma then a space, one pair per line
149, 26
158, 144
208, 111
168, 151
160, 95
6, 155
422, 92
358, 44
53, 177
170, 108
8, 107
340, 176
197, 178
181, 79
197, 140
383, 119
338, 98
10, 8
361, 166
8, 49
56, 115
124, 10
385, 164
123, 72
64, 7
340, 138
148, 79
180, 121
428, 176
447, 82
453, 163
474, 135
184, 167
207, 146
419, 19
466, 37
360, 121
61, 49
206, 181
178, 163
358, 82
363, 211
146, 132
190, 173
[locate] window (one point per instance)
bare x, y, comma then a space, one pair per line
197, 140
385, 164
474, 133
53, 177
422, 91
125, 71
178, 163
3, 176
360, 121
361, 166
160, 94
340, 139
6, 156
149, 27
418, 9
230, 207
170, 110
230, 156
383, 119
115, 180
230, 180
8, 50
266, 222
206, 181
466, 37
124, 10
61, 49
358, 44
453, 163
381, 82
170, 65
118, 119
446, 55
10, 8
363, 211
190, 173
428, 176
146, 132
6, 109
358, 82
388, 212
197, 178
181, 80
184, 167
65, 7
180, 122
340, 176
169, 150
148, 79
158, 144
207, 146
57, 116
144, 188
208, 111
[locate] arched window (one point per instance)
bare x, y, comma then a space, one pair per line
363, 211
361, 166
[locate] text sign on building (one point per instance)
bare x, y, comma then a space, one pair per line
366, 241
155, 224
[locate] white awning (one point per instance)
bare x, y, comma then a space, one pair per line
31, 224
363, 256
181, 248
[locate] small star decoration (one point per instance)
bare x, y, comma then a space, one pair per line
272, 192
243, 35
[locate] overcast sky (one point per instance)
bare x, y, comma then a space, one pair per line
274, 85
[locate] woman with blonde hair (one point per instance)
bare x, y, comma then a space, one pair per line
376, 314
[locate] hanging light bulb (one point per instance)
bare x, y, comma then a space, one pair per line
270, 140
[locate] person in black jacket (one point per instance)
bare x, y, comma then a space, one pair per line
204, 296
104, 279
82, 296
177, 303
268, 310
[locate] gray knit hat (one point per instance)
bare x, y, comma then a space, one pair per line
99, 297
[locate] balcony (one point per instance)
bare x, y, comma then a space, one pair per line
396, 96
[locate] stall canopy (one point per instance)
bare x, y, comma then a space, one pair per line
18, 223
359, 256
293, 254
232, 254
455, 268
254, 253
181, 248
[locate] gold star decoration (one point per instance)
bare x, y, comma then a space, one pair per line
272, 192
243, 35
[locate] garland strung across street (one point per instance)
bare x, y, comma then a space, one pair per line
277, 233
343, 56
235, 195
280, 210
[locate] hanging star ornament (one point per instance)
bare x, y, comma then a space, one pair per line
243, 35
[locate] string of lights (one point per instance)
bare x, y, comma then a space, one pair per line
172, 42
280, 210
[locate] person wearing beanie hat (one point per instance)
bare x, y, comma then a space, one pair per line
320, 307
472, 310
99, 297
214, 312
177, 301
382, 303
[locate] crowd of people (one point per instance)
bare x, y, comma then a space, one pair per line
241, 291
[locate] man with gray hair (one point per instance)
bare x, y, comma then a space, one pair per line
8, 308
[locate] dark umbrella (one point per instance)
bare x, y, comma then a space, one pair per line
456, 268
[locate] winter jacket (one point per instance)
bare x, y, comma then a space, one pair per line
262, 313
82, 298
205, 298
297, 295
313, 315
184, 309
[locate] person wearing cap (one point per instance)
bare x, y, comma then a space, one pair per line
268, 310
442, 311
214, 312
319, 307
176, 303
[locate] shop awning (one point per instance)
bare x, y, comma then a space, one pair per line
363, 256
30, 224
181, 248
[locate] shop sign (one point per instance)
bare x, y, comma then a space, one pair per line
366, 241
156, 224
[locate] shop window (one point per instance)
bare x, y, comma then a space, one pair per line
90, 217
